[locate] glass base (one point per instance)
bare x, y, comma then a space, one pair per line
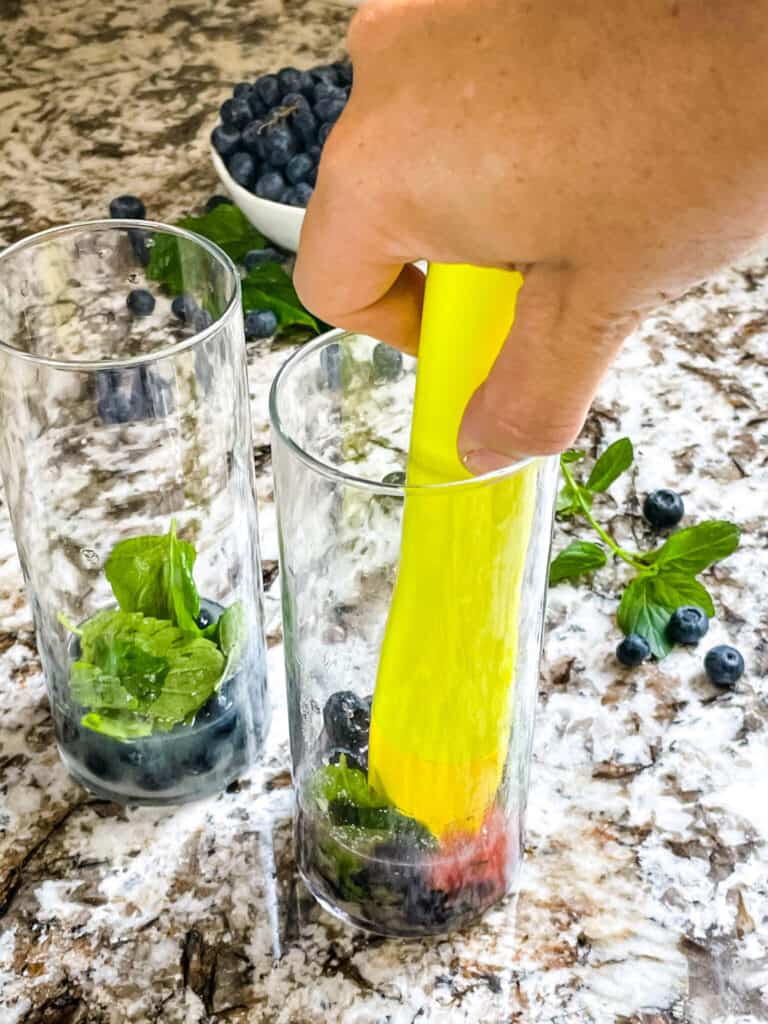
395, 898
174, 767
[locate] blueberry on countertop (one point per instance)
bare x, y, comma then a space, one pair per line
256, 256
260, 323
663, 508
184, 307
127, 208
242, 167
633, 650
688, 625
140, 302
225, 140
213, 201
724, 665
387, 362
347, 720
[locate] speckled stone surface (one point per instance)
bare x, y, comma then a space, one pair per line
645, 893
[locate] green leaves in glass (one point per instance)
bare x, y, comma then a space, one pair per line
148, 666
581, 556
153, 575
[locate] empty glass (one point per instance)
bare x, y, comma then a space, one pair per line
410, 790
126, 456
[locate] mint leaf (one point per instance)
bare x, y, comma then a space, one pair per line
640, 612
153, 575
674, 589
649, 602
694, 548
184, 598
165, 674
579, 557
182, 266
567, 505
340, 782
231, 633
573, 455
268, 286
612, 463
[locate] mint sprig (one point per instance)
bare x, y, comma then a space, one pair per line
181, 266
664, 579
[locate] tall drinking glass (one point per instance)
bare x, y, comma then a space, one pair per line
376, 841
126, 457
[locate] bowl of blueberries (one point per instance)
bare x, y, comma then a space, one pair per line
267, 146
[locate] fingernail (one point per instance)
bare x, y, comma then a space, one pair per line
486, 461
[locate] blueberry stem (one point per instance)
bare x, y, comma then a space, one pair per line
625, 556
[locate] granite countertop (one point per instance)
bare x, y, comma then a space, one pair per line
645, 891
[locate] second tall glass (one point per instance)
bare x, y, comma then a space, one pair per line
410, 733
126, 454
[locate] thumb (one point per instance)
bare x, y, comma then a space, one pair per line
537, 395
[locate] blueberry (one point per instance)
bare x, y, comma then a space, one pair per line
325, 73
113, 404
260, 323
325, 90
347, 721
302, 193
201, 320
235, 113
387, 362
289, 80
633, 650
288, 197
329, 109
688, 625
127, 208
224, 725
724, 665
357, 759
253, 139
243, 90
242, 168
201, 756
213, 201
268, 90
225, 140
184, 307
295, 99
156, 774
298, 167
304, 124
270, 186
396, 478
99, 763
315, 152
280, 145
343, 69
323, 132
140, 302
257, 256
306, 84
663, 508
205, 618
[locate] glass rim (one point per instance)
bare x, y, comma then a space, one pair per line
362, 483
164, 352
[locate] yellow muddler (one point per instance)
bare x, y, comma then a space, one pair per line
442, 704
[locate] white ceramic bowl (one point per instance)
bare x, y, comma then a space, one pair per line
279, 222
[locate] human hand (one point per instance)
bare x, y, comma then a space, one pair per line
614, 152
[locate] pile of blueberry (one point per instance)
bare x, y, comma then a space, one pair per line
273, 130
723, 664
